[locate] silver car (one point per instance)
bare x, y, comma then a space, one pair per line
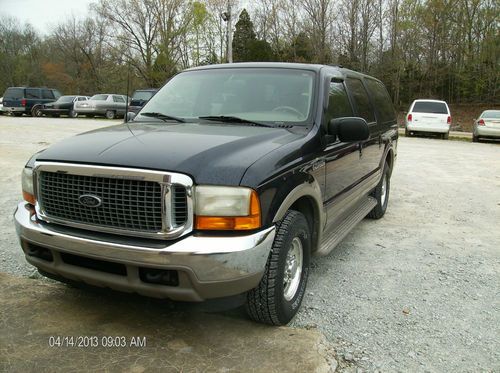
109, 105
487, 125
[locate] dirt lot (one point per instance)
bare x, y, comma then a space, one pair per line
415, 291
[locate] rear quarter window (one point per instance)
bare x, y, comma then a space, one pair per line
13, 93
430, 107
361, 99
382, 100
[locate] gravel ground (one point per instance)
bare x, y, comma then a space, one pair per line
419, 289
415, 291
19, 139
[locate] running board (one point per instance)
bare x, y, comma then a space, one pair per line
338, 232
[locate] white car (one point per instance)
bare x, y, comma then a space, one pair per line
487, 125
430, 116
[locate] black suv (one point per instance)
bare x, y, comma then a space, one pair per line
139, 99
27, 100
225, 183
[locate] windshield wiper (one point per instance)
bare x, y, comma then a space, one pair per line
230, 119
162, 116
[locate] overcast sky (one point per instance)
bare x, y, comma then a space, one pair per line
43, 14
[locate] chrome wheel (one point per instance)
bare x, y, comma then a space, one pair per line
293, 269
383, 192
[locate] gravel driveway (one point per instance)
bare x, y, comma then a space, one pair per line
418, 290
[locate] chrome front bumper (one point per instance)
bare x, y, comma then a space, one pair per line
208, 266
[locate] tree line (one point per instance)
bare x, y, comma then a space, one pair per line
446, 49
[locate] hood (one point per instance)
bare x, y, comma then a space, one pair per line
209, 153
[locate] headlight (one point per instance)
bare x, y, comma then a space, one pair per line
27, 184
226, 208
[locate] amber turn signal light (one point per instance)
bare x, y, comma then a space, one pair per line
251, 221
30, 198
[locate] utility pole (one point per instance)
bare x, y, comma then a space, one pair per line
226, 16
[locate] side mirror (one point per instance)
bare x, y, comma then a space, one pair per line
130, 116
349, 129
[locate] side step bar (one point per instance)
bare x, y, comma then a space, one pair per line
345, 225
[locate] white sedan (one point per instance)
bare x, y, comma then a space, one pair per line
487, 125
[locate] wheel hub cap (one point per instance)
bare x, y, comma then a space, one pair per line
293, 269
383, 193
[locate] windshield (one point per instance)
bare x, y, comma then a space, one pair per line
430, 107
64, 99
256, 94
491, 114
99, 97
142, 95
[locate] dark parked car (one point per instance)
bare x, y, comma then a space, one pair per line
139, 99
27, 100
224, 184
64, 105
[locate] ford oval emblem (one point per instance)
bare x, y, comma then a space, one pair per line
89, 200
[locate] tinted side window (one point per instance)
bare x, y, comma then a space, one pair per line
338, 102
382, 101
361, 100
118, 99
32, 93
47, 94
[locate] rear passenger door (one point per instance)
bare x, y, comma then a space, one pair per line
33, 96
119, 104
370, 149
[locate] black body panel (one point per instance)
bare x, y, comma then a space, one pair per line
273, 161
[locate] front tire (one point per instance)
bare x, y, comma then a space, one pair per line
72, 114
278, 296
381, 194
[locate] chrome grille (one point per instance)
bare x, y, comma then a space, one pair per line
126, 204
179, 205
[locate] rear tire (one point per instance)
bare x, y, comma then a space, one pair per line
407, 133
475, 138
278, 296
72, 114
381, 194
110, 114
446, 136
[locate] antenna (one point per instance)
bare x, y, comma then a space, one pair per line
126, 97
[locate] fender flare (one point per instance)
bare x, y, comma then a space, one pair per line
312, 191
